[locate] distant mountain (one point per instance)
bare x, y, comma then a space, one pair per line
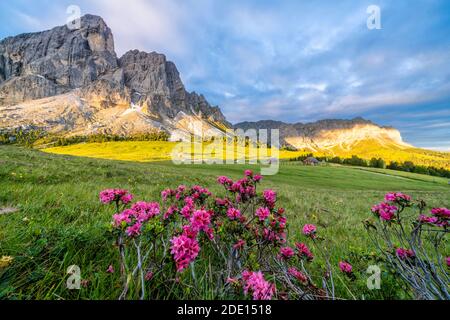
72, 82
329, 134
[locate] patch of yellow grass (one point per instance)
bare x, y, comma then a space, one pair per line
146, 151
142, 151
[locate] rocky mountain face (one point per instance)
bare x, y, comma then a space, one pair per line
328, 134
72, 82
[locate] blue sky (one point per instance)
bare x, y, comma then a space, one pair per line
294, 61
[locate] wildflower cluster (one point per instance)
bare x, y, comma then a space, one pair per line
255, 284
423, 234
385, 211
440, 217
184, 249
115, 195
131, 220
238, 231
394, 203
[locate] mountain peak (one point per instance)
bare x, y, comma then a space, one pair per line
67, 81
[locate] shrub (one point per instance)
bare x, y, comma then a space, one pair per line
413, 248
235, 244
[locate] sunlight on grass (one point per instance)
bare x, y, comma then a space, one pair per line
146, 151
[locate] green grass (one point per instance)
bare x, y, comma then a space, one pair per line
60, 221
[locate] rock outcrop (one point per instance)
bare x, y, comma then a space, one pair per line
155, 84
71, 81
43, 64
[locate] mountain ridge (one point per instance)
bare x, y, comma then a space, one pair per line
329, 133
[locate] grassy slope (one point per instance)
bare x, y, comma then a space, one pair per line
389, 152
59, 196
156, 150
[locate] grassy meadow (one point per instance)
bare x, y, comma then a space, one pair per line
59, 221
144, 151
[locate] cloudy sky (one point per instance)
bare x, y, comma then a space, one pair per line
294, 61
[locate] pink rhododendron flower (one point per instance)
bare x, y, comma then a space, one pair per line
428, 220
188, 201
115, 195
239, 244
304, 252
345, 267
300, 276
404, 254
286, 253
442, 213
145, 210
278, 223
165, 194
184, 251
201, 220
270, 197
447, 261
385, 211
282, 222
262, 213
210, 233
233, 213
224, 181
170, 211
200, 193
397, 197
110, 269
257, 178
250, 191
186, 211
148, 276
243, 188
309, 230
255, 283
223, 202
189, 232
269, 235
248, 173
126, 198
134, 230
123, 217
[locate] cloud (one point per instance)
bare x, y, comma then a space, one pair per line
29, 21
145, 25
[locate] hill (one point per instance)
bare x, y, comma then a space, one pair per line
344, 138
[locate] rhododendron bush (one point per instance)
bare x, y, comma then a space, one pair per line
413, 244
237, 241
235, 245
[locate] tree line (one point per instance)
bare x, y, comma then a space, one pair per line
30, 138
407, 166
